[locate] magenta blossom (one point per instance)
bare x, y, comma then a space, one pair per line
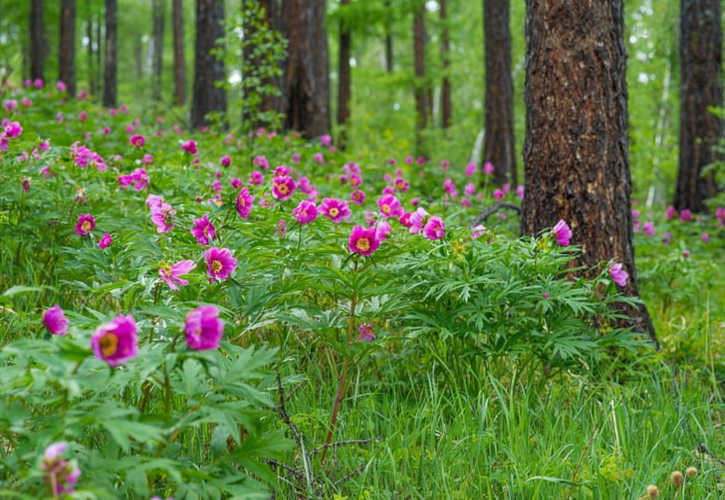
367, 334
670, 212
256, 178
116, 342
649, 228
261, 161
357, 197
203, 230
705, 237
434, 229
85, 224
363, 241
203, 328
12, 129
618, 275
55, 321
283, 186
225, 161
190, 147
686, 215
162, 217
417, 220
220, 263
171, 274
383, 229
389, 206
470, 169
520, 192
139, 179
488, 168
137, 141
105, 241
334, 209
498, 194
563, 233
319, 158
62, 475
305, 212
244, 203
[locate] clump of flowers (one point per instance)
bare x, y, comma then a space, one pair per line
55, 321
60, 474
203, 328
171, 274
139, 179
84, 157
220, 263
116, 342
363, 241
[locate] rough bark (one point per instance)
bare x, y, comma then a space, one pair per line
421, 95
499, 146
576, 149
179, 59
67, 46
307, 84
446, 106
37, 40
110, 92
207, 96
700, 63
389, 61
157, 13
343, 90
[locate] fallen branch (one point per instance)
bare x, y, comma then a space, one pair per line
490, 211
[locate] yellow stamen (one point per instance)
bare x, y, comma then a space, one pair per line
109, 344
216, 266
282, 188
363, 244
385, 209
86, 226
334, 212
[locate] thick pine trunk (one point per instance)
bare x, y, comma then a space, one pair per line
499, 145
67, 46
577, 168
157, 13
207, 96
446, 106
307, 84
343, 91
700, 62
179, 59
37, 40
110, 92
421, 92
389, 66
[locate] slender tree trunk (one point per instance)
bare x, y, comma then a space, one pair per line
207, 96
157, 8
110, 92
446, 106
343, 94
179, 59
67, 46
576, 150
389, 66
37, 40
700, 129
92, 83
421, 88
99, 50
307, 84
499, 146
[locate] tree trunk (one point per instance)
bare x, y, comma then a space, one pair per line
421, 93
99, 50
389, 66
37, 40
700, 130
499, 146
343, 94
577, 168
92, 83
157, 13
446, 106
110, 96
179, 59
208, 70
307, 83
67, 46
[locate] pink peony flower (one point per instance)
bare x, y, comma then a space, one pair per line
389, 206
417, 220
563, 233
282, 187
190, 147
618, 275
434, 229
720, 215
470, 169
296, 158
670, 212
85, 224
105, 241
326, 140
171, 274
220, 263
383, 229
335, 210
12, 129
357, 197
244, 203
488, 168
61, 86
405, 219
305, 212
203, 328
225, 161
261, 161
62, 475
55, 321
367, 334
203, 230
319, 158
520, 192
256, 178
363, 241
147, 159
649, 228
281, 170
162, 217
705, 237
116, 342
139, 179
154, 202
470, 189
10, 105
685, 215
137, 141
498, 194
